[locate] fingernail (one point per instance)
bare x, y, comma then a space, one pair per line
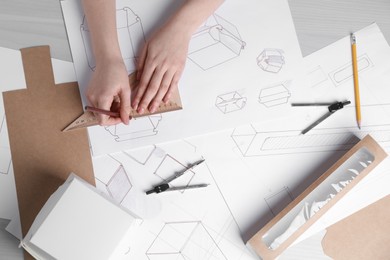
141, 110
152, 109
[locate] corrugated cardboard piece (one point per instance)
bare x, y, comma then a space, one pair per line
363, 235
42, 155
374, 155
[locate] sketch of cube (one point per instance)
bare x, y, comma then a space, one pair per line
216, 42
271, 60
230, 102
118, 185
184, 241
130, 37
274, 96
140, 127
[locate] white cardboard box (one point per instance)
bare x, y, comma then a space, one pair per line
79, 222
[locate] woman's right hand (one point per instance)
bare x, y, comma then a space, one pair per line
110, 84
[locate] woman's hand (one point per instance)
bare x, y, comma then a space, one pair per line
160, 66
109, 90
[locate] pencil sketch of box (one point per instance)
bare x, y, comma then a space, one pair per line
118, 186
130, 37
345, 72
138, 128
216, 42
252, 141
230, 102
184, 241
274, 96
271, 60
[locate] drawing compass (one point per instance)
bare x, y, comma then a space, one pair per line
164, 186
332, 108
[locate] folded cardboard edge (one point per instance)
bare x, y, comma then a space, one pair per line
256, 242
38, 75
370, 224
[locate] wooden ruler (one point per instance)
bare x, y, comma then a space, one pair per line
89, 119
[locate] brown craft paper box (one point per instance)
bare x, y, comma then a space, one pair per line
258, 242
42, 155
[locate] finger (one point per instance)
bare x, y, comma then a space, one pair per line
151, 91
141, 61
125, 105
173, 87
164, 87
143, 83
105, 120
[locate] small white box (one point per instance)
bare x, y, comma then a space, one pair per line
79, 222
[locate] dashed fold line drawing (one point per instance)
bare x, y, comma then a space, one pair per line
140, 127
344, 73
252, 142
274, 96
271, 60
316, 76
230, 102
216, 42
277, 201
129, 30
186, 241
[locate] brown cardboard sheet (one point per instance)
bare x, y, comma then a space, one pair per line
42, 155
363, 235
257, 243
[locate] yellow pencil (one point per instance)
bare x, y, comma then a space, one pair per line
356, 81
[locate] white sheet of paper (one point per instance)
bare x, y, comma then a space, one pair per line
193, 224
11, 78
269, 165
216, 92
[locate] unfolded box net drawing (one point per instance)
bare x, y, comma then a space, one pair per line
274, 96
129, 29
230, 102
271, 60
139, 128
184, 241
216, 42
253, 142
344, 73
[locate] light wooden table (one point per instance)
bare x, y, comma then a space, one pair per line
25, 23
